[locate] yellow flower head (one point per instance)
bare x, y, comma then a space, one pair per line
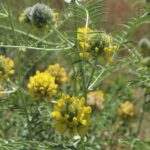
56, 16
84, 35
58, 72
1, 91
42, 85
71, 115
96, 99
106, 46
85, 55
126, 110
6, 67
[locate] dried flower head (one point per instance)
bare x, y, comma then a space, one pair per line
6, 67
42, 85
41, 15
126, 110
96, 99
71, 115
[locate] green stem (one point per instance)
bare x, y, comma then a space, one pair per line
140, 120
86, 12
91, 77
141, 117
18, 66
76, 47
3, 15
83, 80
92, 73
62, 36
75, 81
36, 48
84, 88
96, 80
29, 35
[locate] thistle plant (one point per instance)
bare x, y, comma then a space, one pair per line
69, 81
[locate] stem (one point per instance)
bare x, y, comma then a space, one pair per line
141, 116
93, 71
76, 46
75, 81
28, 35
3, 15
92, 74
43, 38
62, 36
96, 80
18, 66
36, 48
140, 120
81, 64
87, 14
83, 81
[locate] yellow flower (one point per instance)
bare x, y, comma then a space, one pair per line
85, 55
105, 46
42, 85
84, 35
127, 109
71, 115
6, 67
96, 99
56, 16
84, 45
1, 91
58, 72
56, 114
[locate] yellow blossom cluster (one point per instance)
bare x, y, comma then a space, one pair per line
88, 41
84, 35
58, 72
96, 99
106, 46
126, 110
6, 67
42, 85
71, 116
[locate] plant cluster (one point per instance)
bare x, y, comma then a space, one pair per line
99, 100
